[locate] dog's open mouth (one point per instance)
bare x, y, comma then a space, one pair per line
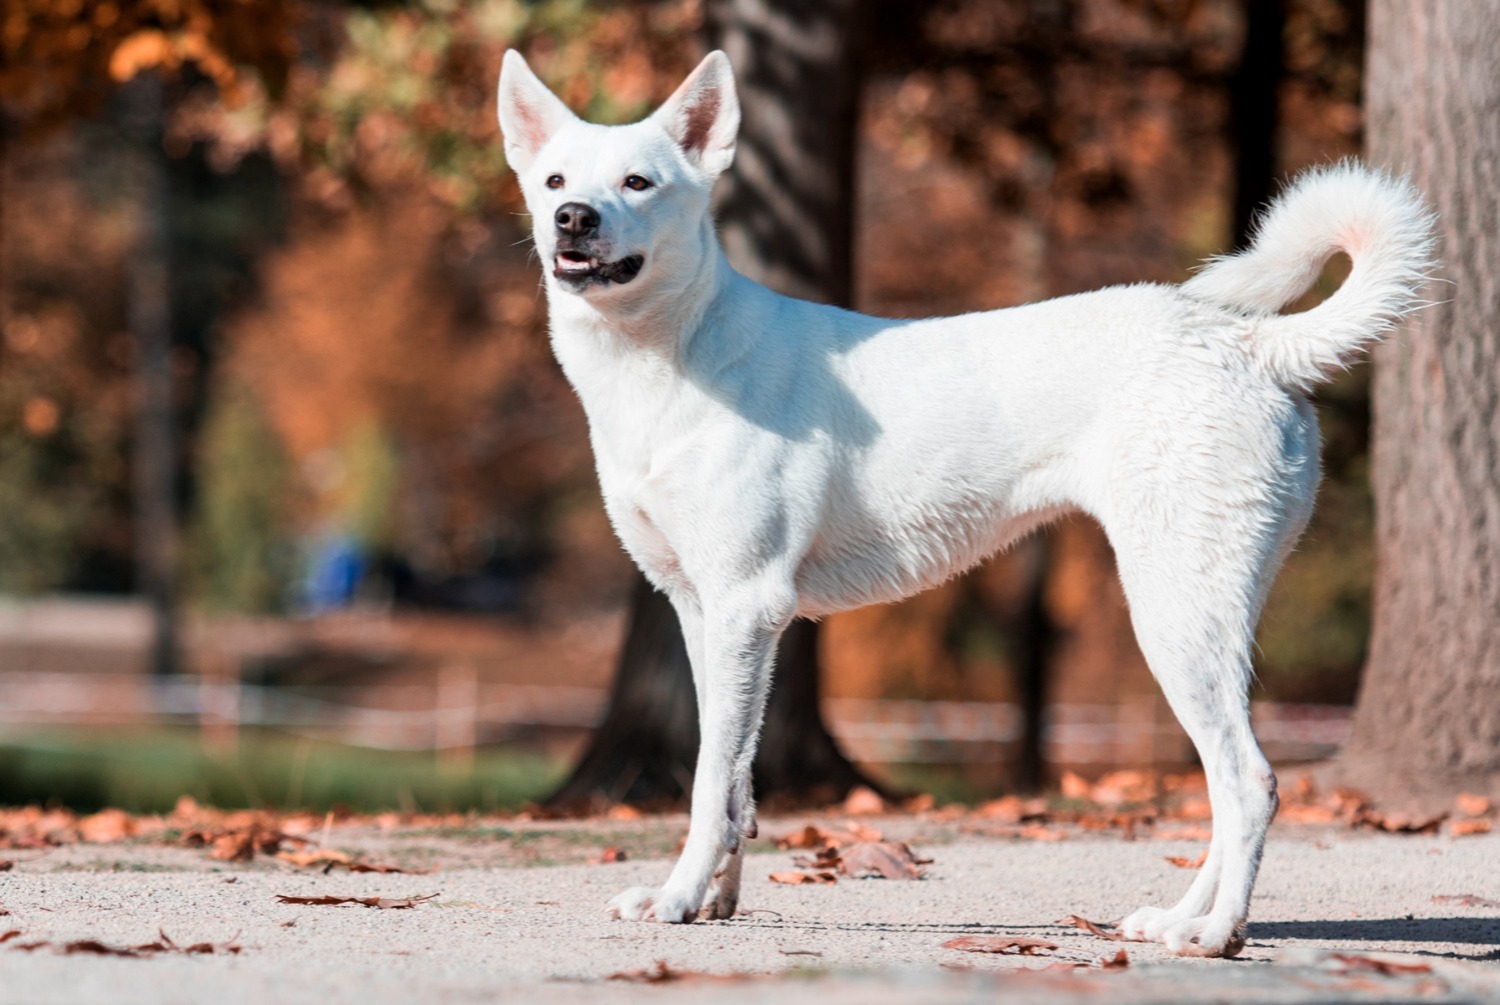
578, 269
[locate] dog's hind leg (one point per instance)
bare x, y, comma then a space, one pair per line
740, 632
1195, 589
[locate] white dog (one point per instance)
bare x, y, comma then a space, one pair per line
764, 459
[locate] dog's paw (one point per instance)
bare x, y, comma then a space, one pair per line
645, 903
1147, 924
722, 901
1205, 936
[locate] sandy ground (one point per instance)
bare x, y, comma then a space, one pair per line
499, 930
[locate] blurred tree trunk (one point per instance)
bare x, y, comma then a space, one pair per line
149, 311
787, 220
1427, 722
1254, 106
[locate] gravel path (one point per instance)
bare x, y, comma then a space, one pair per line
501, 931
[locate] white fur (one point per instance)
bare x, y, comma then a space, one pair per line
764, 458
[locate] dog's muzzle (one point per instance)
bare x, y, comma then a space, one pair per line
577, 262
577, 268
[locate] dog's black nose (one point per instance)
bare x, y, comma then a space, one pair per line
576, 219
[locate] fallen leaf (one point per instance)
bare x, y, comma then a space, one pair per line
1000, 944
1119, 787
659, 974
93, 947
919, 803
383, 903
886, 859
824, 858
1074, 786
1119, 961
1355, 963
1400, 823
1183, 862
14, 933
1008, 809
6, 865
1306, 814
1465, 900
622, 811
1099, 930
319, 856
1471, 805
1465, 828
381, 869
610, 854
107, 826
813, 837
863, 801
803, 878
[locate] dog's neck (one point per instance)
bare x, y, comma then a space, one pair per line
657, 321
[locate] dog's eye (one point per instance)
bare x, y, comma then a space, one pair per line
555, 181
636, 183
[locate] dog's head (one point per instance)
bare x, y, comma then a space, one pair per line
616, 207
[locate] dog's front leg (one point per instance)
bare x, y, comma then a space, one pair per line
739, 644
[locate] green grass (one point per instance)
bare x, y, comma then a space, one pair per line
145, 771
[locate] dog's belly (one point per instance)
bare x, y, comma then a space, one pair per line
886, 562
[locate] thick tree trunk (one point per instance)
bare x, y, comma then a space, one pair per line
1427, 721
1254, 106
149, 309
786, 220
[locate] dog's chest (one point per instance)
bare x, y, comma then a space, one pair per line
636, 434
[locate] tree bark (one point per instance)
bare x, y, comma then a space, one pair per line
1254, 106
1427, 721
787, 221
149, 311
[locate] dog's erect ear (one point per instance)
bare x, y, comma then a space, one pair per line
703, 115
529, 113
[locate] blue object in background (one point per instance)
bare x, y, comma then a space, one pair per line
336, 565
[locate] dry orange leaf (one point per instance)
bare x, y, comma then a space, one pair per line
1471, 805
320, 856
813, 837
383, 903
1099, 930
661, 973
1075, 786
1355, 963
236, 846
1464, 828
107, 826
1183, 862
863, 801
1119, 961
1000, 944
610, 854
1401, 823
1465, 900
886, 859
792, 878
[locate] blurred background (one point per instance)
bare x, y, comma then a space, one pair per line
296, 508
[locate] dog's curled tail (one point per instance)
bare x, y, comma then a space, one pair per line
1382, 223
